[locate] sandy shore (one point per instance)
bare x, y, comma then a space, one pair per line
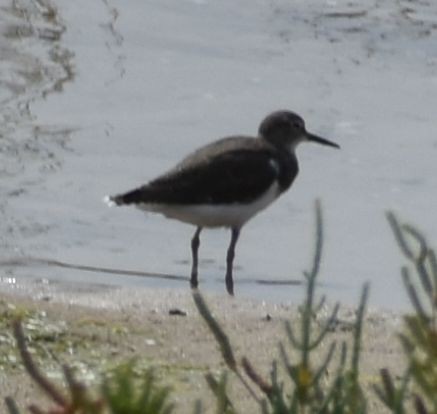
95, 328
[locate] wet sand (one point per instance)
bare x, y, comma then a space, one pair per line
97, 328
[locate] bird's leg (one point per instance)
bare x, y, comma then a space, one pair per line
230, 259
195, 243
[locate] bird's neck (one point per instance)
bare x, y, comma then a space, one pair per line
288, 167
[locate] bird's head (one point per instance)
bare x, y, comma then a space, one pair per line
285, 130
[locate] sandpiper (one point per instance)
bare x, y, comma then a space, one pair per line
226, 183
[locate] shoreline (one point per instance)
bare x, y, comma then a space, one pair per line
61, 154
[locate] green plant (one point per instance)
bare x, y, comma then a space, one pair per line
308, 394
78, 399
123, 391
124, 395
419, 338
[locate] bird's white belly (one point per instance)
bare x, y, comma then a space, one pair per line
215, 215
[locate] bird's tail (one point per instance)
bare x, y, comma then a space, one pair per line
110, 201
121, 199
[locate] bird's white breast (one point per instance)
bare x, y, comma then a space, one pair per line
216, 215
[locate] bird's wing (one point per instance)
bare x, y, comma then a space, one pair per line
237, 176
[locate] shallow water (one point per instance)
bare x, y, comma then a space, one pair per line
125, 91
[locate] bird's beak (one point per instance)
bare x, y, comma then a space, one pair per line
320, 140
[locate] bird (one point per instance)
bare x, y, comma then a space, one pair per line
227, 182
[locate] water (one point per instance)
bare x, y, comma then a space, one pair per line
127, 90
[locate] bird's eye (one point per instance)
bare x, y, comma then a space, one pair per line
297, 125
